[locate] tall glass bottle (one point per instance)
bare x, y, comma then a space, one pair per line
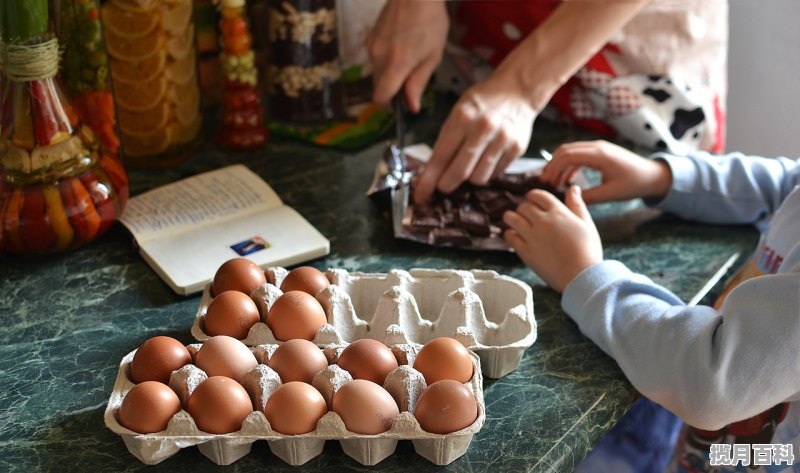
59, 185
242, 125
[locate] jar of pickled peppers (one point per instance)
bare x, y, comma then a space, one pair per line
61, 181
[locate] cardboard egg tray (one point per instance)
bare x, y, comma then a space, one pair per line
405, 384
490, 314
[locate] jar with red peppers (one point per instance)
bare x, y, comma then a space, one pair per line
61, 182
242, 125
305, 74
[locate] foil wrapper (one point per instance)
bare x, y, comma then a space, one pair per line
390, 173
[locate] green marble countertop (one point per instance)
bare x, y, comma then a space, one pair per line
67, 320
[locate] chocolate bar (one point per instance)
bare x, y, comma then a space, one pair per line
471, 214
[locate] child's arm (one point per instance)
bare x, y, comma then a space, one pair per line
717, 189
625, 175
710, 368
731, 188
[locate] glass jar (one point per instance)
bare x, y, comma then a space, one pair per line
156, 88
304, 81
209, 70
60, 186
84, 68
242, 124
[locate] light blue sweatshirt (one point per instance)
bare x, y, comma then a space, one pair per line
712, 368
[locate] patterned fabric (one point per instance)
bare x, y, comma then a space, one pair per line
654, 95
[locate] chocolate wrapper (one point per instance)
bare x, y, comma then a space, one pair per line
390, 172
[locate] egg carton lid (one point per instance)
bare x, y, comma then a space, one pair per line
491, 314
405, 384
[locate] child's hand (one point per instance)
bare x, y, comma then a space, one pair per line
625, 175
556, 241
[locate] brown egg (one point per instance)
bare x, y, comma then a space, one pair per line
219, 405
231, 313
305, 278
297, 360
444, 358
148, 407
157, 358
225, 356
365, 407
367, 359
238, 274
295, 408
446, 406
296, 314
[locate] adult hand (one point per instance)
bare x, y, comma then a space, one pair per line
405, 46
625, 175
489, 127
555, 240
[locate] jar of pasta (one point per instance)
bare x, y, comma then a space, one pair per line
304, 78
156, 88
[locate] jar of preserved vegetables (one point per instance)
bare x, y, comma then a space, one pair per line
61, 183
156, 88
242, 122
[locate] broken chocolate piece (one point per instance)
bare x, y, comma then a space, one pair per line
461, 195
426, 223
474, 222
516, 183
485, 194
497, 207
534, 182
449, 236
426, 217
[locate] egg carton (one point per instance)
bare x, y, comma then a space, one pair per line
491, 313
405, 384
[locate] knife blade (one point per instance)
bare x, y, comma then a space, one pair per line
397, 165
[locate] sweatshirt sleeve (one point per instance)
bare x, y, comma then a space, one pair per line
727, 189
710, 368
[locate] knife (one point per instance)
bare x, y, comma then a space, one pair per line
398, 164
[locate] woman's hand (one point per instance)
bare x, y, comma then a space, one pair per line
625, 175
405, 46
489, 127
556, 241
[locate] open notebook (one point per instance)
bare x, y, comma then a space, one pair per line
185, 230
